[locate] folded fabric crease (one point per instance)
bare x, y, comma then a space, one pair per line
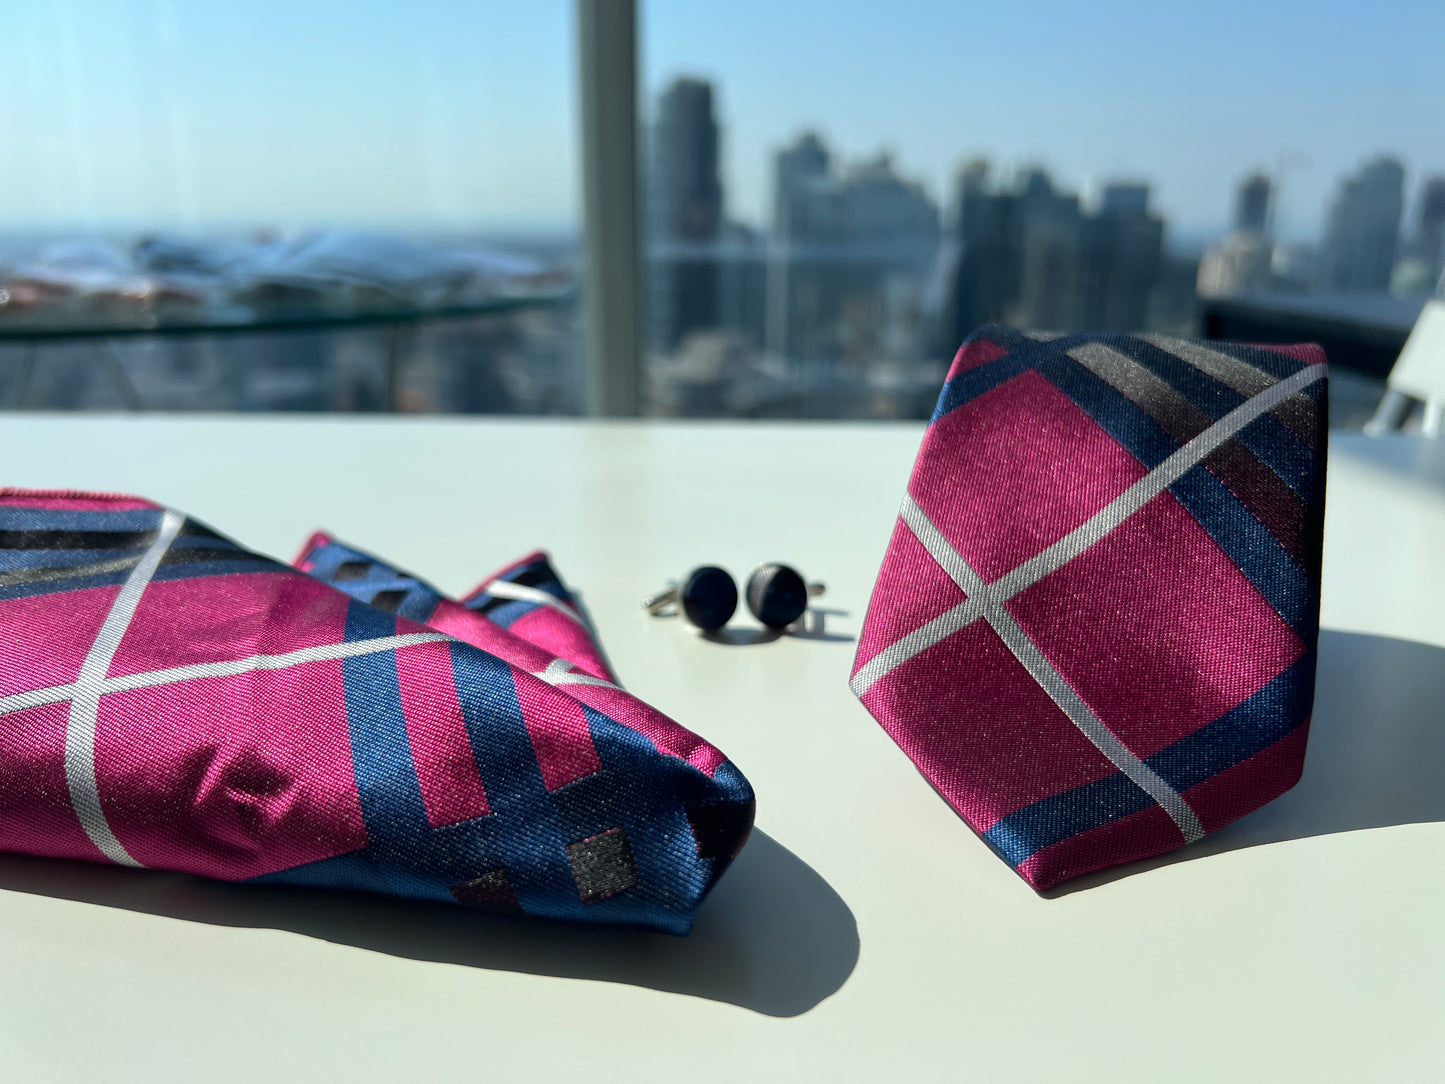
171, 700
1094, 629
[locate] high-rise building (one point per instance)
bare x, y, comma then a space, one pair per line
878, 206
1122, 248
1051, 238
686, 191
1125, 198
1429, 241
805, 202
1032, 256
982, 279
1251, 204
1241, 263
686, 214
1363, 229
844, 243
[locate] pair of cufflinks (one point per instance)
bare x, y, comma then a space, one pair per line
776, 594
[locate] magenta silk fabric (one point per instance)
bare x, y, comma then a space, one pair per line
1094, 629
171, 700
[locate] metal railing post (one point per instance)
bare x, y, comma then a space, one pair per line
612, 290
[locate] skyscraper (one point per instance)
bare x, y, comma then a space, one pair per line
686, 204
1363, 229
805, 205
1251, 204
1051, 254
1429, 240
840, 238
687, 192
1122, 248
1032, 256
983, 279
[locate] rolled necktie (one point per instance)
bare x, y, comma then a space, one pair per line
1095, 626
171, 700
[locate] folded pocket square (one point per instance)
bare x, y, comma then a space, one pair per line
169, 699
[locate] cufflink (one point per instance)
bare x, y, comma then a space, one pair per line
706, 597
777, 595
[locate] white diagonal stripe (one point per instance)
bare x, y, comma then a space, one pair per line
1151, 485
560, 672
940, 549
1078, 540
225, 668
33, 698
523, 593
987, 600
915, 643
80, 727
1047, 675
1091, 726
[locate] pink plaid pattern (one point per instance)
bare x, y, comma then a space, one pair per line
171, 700
1095, 624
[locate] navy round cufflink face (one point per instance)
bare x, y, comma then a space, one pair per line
707, 597
777, 595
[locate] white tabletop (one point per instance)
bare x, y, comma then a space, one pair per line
864, 933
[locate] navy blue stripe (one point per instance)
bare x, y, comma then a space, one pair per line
1257, 553
1273, 443
1240, 733
1289, 590
205, 542
56, 587
1244, 731
420, 600
1137, 433
391, 801
44, 519
643, 793
972, 383
509, 611
16, 559
194, 569
527, 842
1051, 820
1212, 396
420, 603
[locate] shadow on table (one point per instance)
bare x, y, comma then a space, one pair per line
773, 937
1411, 456
1376, 754
813, 625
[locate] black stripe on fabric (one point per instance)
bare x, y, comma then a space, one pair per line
1278, 508
532, 576
187, 555
76, 540
1261, 491
69, 572
1150, 392
1297, 414
192, 529
390, 601
1249, 371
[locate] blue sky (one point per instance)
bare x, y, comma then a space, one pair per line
202, 113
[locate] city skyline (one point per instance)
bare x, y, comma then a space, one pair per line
153, 114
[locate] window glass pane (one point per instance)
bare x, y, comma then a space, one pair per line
839, 194
372, 205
